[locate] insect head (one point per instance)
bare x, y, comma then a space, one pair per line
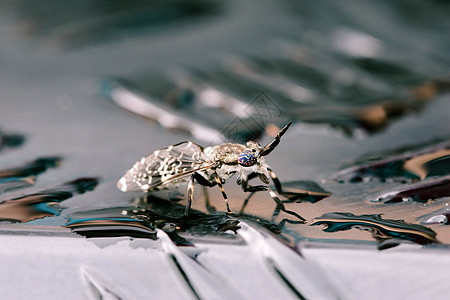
250, 155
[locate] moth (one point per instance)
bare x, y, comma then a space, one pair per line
189, 162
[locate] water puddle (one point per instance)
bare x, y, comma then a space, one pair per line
9, 184
345, 78
198, 121
146, 214
11, 140
24, 175
75, 27
388, 233
31, 168
44, 203
406, 164
440, 216
308, 191
151, 213
420, 192
109, 223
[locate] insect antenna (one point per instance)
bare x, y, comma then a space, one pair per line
270, 146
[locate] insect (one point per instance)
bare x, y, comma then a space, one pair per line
188, 162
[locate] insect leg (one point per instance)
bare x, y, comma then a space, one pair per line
272, 194
278, 187
275, 180
251, 188
219, 183
246, 202
190, 193
209, 207
205, 183
282, 207
202, 181
244, 183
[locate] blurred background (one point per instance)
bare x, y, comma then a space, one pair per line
87, 88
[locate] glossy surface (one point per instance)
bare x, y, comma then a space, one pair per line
94, 87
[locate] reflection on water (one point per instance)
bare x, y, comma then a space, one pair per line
241, 86
31, 168
347, 70
13, 183
388, 233
168, 115
76, 23
153, 213
24, 175
307, 95
440, 216
420, 192
44, 203
410, 163
10, 140
303, 191
107, 224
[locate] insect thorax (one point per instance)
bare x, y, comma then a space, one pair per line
227, 153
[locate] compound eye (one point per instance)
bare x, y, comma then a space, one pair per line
247, 159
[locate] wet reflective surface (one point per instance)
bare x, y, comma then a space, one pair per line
345, 102
410, 163
437, 217
151, 213
25, 175
43, 203
422, 192
87, 88
10, 140
386, 232
75, 24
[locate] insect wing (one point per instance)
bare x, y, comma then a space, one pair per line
164, 166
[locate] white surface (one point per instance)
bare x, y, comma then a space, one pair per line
404, 272
42, 267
